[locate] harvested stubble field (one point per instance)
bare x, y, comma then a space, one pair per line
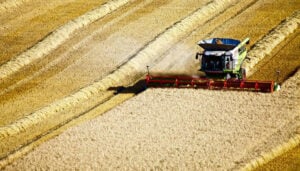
24, 23
175, 129
93, 52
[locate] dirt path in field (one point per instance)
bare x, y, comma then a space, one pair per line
88, 57
152, 136
24, 26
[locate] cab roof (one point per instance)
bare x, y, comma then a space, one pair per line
219, 44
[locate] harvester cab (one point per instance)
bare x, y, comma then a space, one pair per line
223, 57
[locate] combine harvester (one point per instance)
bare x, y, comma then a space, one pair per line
221, 62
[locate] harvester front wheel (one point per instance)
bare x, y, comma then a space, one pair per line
242, 74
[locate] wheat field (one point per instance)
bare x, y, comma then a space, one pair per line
64, 74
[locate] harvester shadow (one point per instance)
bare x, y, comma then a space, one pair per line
136, 88
141, 86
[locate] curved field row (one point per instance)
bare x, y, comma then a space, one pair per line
56, 38
27, 24
46, 114
203, 95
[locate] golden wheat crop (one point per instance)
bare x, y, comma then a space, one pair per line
10, 4
57, 37
24, 130
265, 46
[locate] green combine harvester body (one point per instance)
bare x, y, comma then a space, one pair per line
221, 61
223, 57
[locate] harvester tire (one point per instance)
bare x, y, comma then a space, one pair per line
242, 74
